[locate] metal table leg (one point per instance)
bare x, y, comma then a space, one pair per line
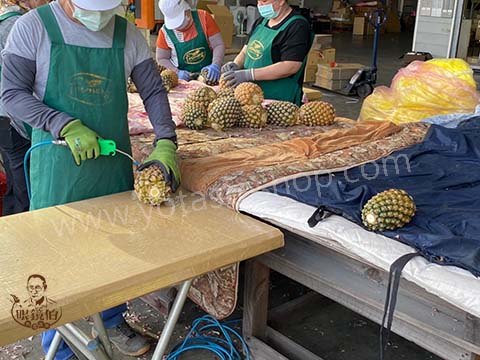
172, 320
91, 349
52, 351
102, 334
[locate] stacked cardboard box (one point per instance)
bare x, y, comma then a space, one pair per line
361, 22
320, 53
312, 94
340, 13
223, 17
335, 76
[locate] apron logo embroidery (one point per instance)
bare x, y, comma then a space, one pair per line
195, 56
38, 311
255, 50
91, 89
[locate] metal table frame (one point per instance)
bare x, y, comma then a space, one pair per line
421, 317
100, 348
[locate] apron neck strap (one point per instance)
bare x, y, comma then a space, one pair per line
51, 24
8, 15
294, 17
120, 33
285, 24
55, 34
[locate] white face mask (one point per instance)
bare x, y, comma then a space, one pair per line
93, 20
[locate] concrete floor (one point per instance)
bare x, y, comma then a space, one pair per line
330, 330
358, 49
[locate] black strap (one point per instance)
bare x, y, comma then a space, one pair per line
320, 214
391, 300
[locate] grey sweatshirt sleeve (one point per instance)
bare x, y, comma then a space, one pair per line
149, 84
163, 58
18, 78
218, 48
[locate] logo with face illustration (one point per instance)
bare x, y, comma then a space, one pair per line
37, 311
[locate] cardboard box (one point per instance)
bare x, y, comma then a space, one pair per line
203, 4
362, 26
477, 33
312, 94
364, 11
393, 21
322, 41
337, 4
339, 72
359, 24
473, 60
224, 19
330, 84
411, 56
316, 57
329, 55
310, 73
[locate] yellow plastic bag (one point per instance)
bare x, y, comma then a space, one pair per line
422, 90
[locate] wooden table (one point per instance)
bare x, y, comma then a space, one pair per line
99, 253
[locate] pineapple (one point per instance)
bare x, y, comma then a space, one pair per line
222, 83
169, 78
253, 116
388, 210
224, 113
249, 94
160, 68
194, 116
203, 77
131, 88
203, 95
226, 92
150, 186
317, 113
283, 113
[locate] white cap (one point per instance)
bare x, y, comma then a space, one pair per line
173, 12
97, 5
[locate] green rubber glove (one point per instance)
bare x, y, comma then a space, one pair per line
82, 141
165, 155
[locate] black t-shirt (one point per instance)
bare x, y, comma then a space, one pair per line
291, 44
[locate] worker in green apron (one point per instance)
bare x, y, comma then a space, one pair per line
276, 53
13, 143
64, 73
190, 41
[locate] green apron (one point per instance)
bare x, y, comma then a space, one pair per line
195, 54
3, 17
259, 54
9, 15
88, 84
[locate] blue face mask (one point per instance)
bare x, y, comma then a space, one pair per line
93, 20
267, 11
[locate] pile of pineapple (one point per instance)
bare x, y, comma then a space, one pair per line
242, 107
169, 79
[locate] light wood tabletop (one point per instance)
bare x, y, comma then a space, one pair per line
101, 252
